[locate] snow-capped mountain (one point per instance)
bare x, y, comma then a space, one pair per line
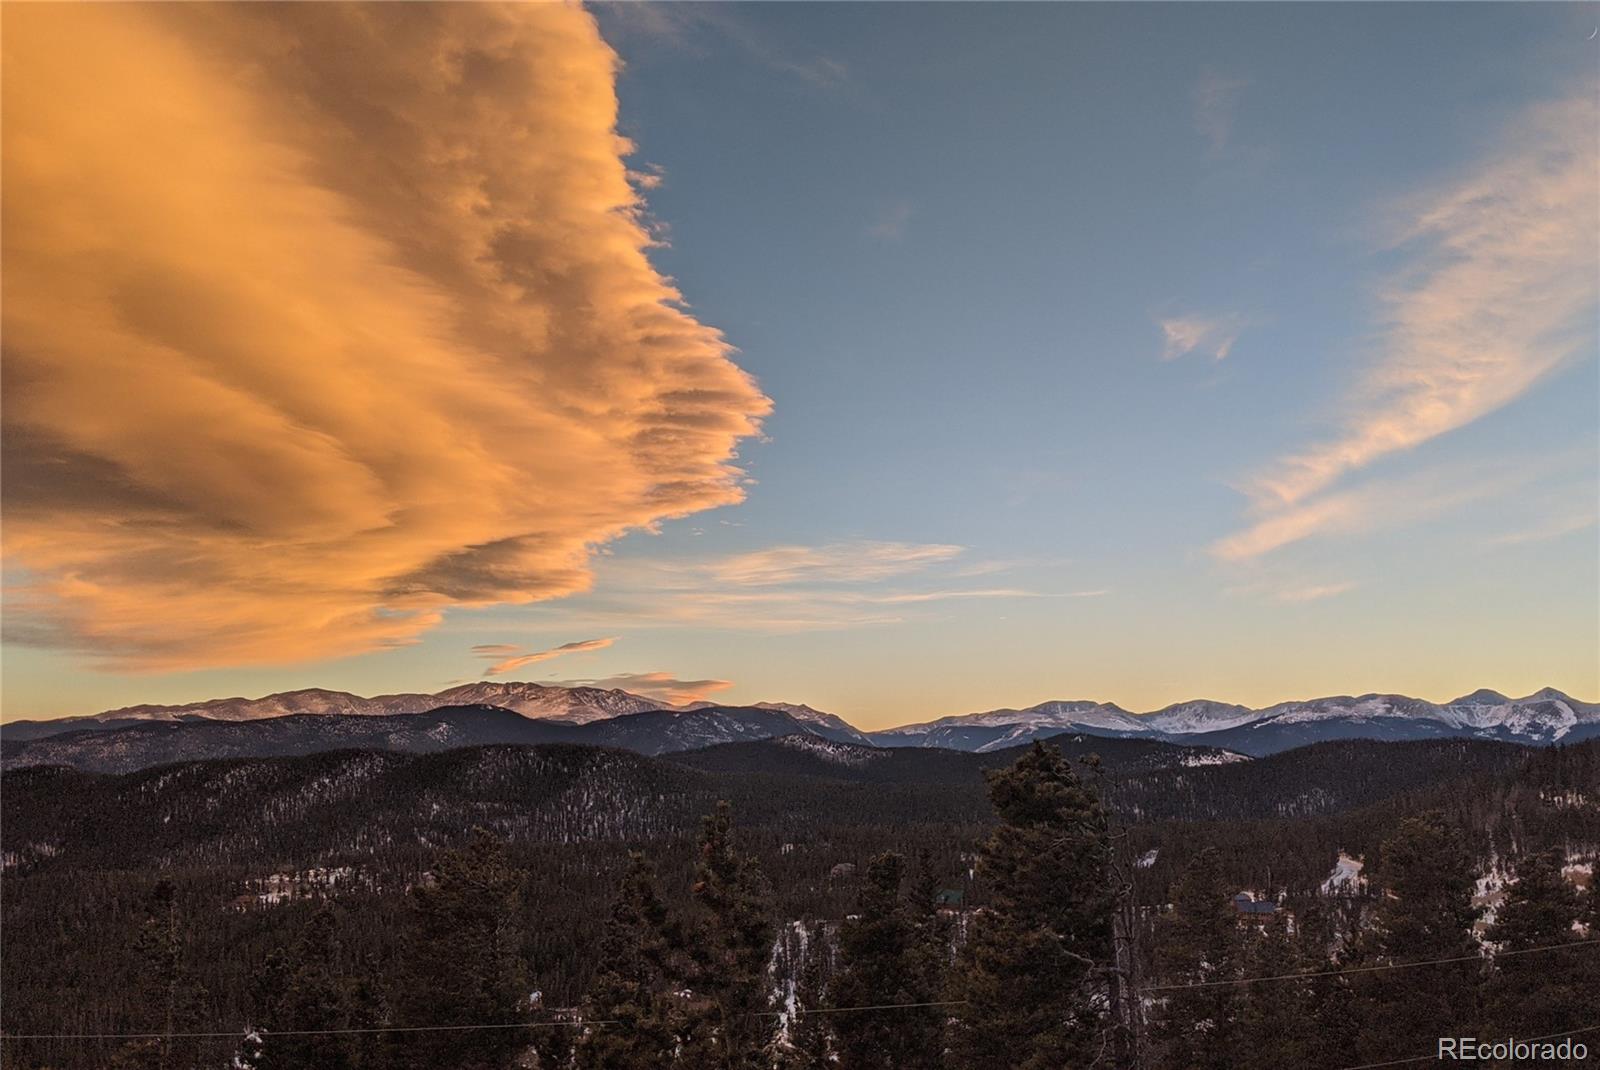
541, 701
140, 744
995, 729
826, 724
580, 704
1200, 715
1546, 716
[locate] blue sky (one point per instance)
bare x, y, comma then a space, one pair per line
1126, 352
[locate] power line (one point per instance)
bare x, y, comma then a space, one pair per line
441, 1028
802, 1012
1435, 1055
1369, 969
301, 1032
350, 1030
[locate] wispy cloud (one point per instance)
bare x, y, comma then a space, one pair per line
1553, 527
1290, 590
506, 658
1501, 290
791, 588
1385, 504
891, 223
848, 562
330, 316
686, 26
1216, 99
1213, 336
1312, 592
661, 686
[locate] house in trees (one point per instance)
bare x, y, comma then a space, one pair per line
1248, 910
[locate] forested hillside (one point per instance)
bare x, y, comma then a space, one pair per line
847, 876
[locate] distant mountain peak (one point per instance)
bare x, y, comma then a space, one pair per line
1481, 697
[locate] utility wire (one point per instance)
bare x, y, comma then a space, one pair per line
440, 1028
298, 1032
1435, 1055
1370, 969
800, 1012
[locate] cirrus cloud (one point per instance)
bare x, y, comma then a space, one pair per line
506, 657
322, 319
1212, 335
845, 562
661, 686
1499, 292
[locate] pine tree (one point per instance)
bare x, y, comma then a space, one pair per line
1272, 1015
640, 971
810, 1042
1426, 913
459, 962
307, 988
1588, 970
173, 1001
1198, 944
1033, 969
1546, 993
884, 960
733, 1022
1330, 1024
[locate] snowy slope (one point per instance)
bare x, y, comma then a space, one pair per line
541, 701
1078, 716
1200, 715
1543, 717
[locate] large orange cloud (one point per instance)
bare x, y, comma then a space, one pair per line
320, 319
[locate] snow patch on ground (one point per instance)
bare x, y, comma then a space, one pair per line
1346, 878
828, 750
1226, 757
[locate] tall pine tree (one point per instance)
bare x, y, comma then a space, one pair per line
810, 1036
885, 958
641, 971
1198, 944
460, 964
1034, 968
1425, 913
1546, 993
173, 1001
1272, 1015
733, 1002
311, 987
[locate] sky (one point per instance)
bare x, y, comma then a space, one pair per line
903, 360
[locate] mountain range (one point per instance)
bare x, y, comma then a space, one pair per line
303, 722
1546, 716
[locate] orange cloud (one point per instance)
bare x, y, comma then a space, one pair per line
321, 319
663, 687
506, 664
